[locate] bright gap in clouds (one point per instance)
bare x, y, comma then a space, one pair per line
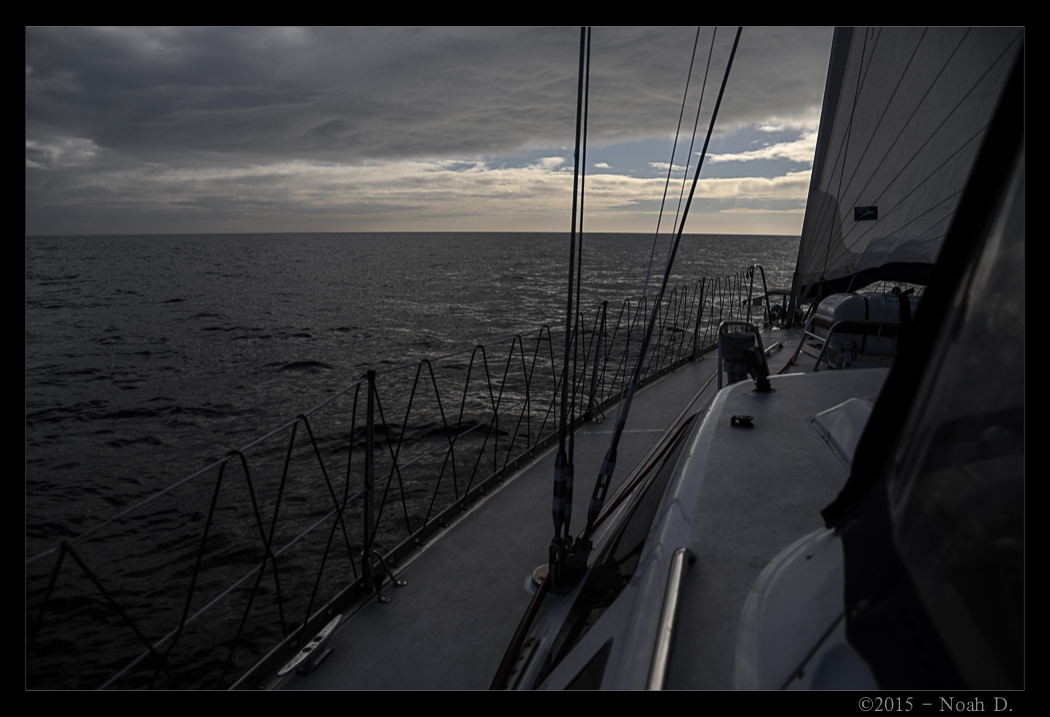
749, 152
753, 172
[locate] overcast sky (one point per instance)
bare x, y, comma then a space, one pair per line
284, 130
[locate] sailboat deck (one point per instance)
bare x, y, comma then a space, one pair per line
750, 508
449, 627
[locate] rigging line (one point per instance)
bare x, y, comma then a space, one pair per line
937, 129
670, 166
608, 465
845, 148
696, 124
558, 512
692, 139
214, 601
243, 449
667, 183
579, 246
569, 468
572, 244
206, 469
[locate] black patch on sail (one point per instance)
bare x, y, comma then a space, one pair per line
865, 214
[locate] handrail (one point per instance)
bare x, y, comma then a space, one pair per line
851, 322
765, 293
668, 613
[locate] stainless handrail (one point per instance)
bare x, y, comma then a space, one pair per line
665, 630
837, 324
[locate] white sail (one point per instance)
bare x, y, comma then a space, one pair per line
904, 114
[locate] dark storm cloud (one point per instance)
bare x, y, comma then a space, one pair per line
341, 95
111, 111
267, 95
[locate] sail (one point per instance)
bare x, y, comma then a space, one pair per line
905, 110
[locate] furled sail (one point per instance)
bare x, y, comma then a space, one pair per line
904, 113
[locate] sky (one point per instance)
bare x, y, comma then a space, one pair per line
168, 130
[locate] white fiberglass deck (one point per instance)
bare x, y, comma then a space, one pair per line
450, 626
758, 490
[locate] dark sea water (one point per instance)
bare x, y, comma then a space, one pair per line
148, 357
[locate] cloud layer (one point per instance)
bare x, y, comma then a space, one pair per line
156, 130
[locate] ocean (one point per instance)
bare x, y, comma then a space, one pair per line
149, 357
